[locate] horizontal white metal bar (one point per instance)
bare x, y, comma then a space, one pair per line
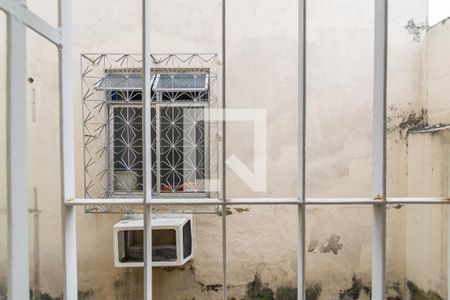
105, 201
185, 201
415, 200
258, 201
372, 201
263, 201
153, 54
341, 201
34, 22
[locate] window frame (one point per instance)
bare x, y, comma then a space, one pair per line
156, 104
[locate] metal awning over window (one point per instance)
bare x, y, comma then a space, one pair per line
181, 82
163, 83
122, 81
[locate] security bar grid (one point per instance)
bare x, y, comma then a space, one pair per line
19, 18
184, 143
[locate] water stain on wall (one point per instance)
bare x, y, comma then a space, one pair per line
332, 245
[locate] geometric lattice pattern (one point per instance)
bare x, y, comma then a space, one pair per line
184, 144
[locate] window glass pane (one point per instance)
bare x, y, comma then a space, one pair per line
201, 277
184, 96
417, 241
126, 96
338, 251
182, 142
261, 252
180, 137
127, 140
407, 100
339, 98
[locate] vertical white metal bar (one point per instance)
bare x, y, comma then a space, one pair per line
448, 232
18, 284
379, 152
301, 147
224, 251
67, 156
147, 153
224, 151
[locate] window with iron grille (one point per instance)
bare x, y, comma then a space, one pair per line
179, 133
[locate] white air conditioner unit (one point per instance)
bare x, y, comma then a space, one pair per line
172, 237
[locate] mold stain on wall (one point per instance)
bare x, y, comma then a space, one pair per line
418, 294
257, 290
415, 29
403, 121
82, 295
355, 290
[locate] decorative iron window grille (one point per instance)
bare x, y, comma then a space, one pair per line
183, 143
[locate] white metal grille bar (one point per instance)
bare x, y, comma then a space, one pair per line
224, 151
34, 22
18, 285
67, 157
257, 201
448, 235
301, 123
379, 151
148, 257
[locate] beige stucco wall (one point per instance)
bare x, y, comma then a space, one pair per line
428, 170
261, 68
438, 75
427, 230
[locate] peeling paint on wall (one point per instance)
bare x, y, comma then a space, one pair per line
415, 30
313, 244
241, 209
